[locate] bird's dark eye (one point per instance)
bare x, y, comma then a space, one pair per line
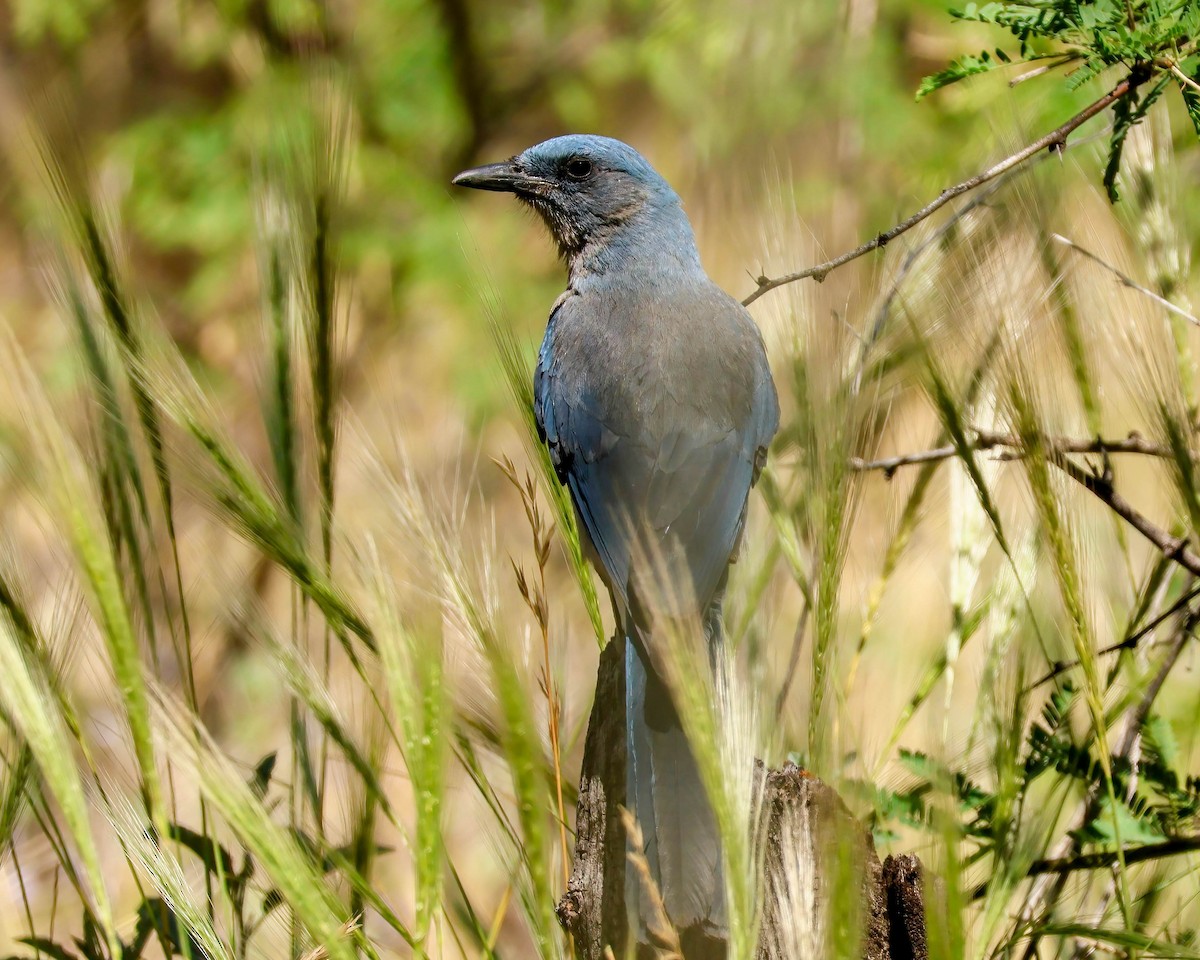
579, 168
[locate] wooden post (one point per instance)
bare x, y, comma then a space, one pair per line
592, 910
805, 819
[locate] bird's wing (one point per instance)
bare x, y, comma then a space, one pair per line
544, 402
658, 481
572, 425
766, 413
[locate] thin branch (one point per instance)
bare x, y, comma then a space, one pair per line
889, 465
1056, 138
1173, 548
1099, 861
1133, 443
1127, 281
1071, 861
1129, 643
1014, 449
1043, 896
1045, 68
1137, 719
1183, 77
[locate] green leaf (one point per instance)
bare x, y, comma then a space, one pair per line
921, 765
212, 854
271, 901
156, 914
48, 947
1191, 100
1133, 828
1127, 114
31, 706
959, 69
1159, 734
1122, 124
261, 780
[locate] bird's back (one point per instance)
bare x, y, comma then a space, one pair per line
656, 398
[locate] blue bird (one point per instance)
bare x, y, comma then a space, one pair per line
653, 393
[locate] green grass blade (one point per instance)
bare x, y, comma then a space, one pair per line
74, 502
157, 862
18, 771
1061, 540
279, 403
291, 869
516, 366
31, 703
413, 671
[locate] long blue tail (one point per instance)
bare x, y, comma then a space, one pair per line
665, 794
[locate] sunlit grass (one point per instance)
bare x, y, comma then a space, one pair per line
422, 801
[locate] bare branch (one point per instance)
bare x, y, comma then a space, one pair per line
1126, 280
1129, 643
1173, 548
1056, 139
1183, 77
1099, 861
1014, 449
889, 465
1045, 68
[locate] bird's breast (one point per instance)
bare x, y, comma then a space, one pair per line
643, 374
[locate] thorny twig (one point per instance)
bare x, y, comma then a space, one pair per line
1129, 643
1173, 548
1014, 449
1055, 139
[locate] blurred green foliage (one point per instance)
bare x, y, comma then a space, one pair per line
176, 95
186, 110
1153, 40
175, 101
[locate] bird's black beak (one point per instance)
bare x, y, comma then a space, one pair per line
504, 177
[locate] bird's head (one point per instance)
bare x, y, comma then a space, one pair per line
591, 191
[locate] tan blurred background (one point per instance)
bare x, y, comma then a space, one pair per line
790, 130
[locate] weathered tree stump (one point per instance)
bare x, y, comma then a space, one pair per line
592, 910
810, 834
